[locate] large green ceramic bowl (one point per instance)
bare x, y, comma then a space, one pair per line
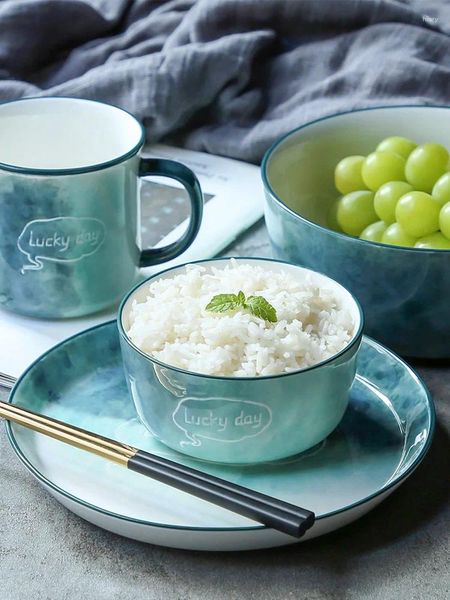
404, 292
234, 419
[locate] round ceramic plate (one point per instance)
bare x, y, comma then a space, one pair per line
385, 433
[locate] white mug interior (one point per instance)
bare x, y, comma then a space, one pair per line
65, 133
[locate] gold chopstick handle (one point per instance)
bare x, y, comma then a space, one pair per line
79, 438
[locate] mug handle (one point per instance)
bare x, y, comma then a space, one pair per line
178, 171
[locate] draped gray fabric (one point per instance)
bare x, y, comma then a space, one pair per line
227, 76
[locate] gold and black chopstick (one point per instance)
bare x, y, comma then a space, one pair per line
274, 513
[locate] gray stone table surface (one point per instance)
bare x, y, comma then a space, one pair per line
398, 551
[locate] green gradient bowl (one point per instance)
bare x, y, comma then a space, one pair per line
404, 292
234, 419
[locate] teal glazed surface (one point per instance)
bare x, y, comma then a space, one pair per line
385, 432
68, 243
237, 420
404, 292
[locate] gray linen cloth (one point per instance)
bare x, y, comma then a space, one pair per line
227, 76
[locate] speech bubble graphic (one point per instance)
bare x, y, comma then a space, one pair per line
166, 379
60, 239
220, 419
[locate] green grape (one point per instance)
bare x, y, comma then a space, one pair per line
444, 220
374, 232
441, 189
435, 241
381, 167
425, 165
397, 144
332, 221
418, 214
355, 211
387, 197
347, 175
396, 236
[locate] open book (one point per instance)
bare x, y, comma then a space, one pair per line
233, 201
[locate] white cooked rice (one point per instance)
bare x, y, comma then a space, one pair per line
173, 326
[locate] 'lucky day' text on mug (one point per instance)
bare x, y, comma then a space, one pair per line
59, 239
220, 419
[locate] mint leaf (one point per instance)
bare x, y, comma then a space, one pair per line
259, 307
224, 303
241, 298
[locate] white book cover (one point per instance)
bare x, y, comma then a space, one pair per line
233, 202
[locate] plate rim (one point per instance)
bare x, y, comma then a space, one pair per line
233, 529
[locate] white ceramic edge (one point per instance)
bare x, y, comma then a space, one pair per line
215, 541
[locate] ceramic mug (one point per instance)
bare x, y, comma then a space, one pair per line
69, 216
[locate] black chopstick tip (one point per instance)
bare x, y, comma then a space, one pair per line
271, 512
306, 524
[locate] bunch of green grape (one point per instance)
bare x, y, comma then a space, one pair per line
398, 195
